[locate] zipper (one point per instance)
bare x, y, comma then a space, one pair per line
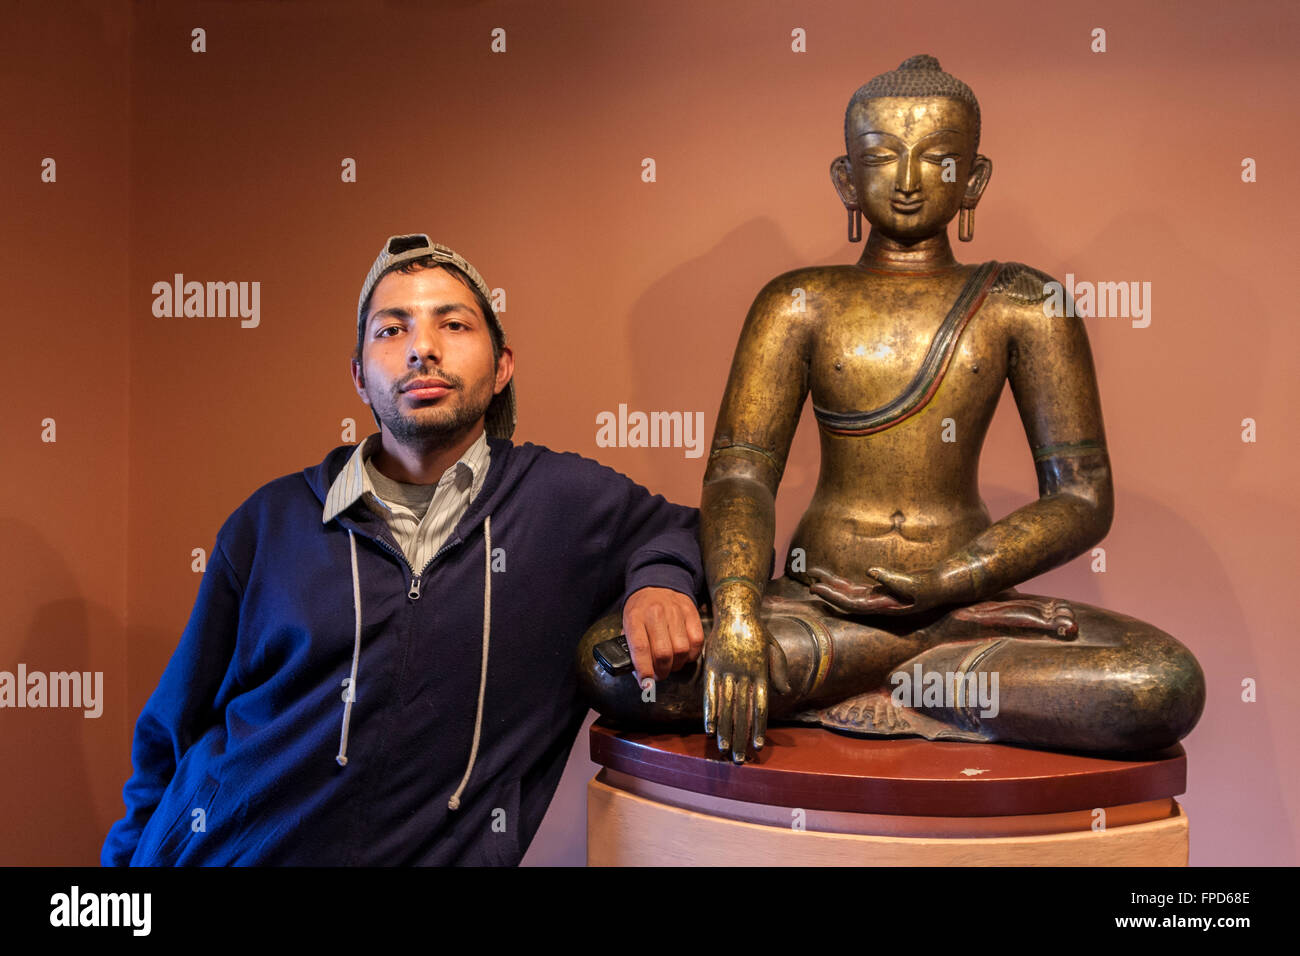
413, 590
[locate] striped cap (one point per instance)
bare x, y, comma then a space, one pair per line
500, 420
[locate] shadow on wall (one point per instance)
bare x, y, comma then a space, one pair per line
63, 769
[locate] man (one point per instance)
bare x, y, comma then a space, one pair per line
378, 668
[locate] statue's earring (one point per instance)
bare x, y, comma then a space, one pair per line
855, 225
966, 224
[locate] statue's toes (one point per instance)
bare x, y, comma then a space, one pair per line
894, 718
844, 712
875, 715
843, 716
1063, 621
865, 714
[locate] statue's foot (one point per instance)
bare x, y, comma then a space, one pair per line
1046, 616
875, 714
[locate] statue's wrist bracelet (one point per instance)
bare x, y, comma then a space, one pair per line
728, 584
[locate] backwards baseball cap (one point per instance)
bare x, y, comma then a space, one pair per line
500, 419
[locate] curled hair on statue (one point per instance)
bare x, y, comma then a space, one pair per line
918, 75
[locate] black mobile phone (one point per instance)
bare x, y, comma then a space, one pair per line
613, 655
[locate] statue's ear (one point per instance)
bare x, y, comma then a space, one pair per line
980, 174
842, 177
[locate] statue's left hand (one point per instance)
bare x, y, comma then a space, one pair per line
892, 592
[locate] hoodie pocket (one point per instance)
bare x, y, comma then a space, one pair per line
187, 826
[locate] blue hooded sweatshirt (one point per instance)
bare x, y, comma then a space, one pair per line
449, 744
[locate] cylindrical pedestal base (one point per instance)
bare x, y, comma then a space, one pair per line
817, 798
631, 822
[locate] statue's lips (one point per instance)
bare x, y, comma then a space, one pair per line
911, 206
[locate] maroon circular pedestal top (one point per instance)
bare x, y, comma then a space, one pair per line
820, 770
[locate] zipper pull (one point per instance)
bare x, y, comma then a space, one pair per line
414, 592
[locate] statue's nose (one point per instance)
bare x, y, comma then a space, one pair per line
908, 181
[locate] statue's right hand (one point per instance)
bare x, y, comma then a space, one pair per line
855, 598
736, 662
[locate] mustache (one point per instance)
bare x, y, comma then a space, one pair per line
455, 381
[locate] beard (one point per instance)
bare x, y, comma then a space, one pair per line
431, 425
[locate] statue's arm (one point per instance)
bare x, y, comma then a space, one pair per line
759, 414
760, 411
1052, 377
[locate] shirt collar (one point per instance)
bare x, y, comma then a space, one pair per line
353, 483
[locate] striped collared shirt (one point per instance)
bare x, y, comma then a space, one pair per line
420, 535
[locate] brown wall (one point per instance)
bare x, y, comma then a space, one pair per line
64, 531
225, 165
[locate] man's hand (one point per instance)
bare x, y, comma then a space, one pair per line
663, 631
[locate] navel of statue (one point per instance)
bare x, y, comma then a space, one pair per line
897, 613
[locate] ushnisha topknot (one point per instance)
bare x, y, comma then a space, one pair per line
918, 75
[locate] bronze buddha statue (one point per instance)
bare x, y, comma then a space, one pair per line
896, 575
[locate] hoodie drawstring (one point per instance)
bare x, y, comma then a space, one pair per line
454, 802
350, 684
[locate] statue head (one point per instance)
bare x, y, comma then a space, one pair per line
912, 137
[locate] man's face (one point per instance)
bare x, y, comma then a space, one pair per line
897, 150
428, 326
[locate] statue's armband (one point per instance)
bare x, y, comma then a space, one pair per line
1077, 466
731, 453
